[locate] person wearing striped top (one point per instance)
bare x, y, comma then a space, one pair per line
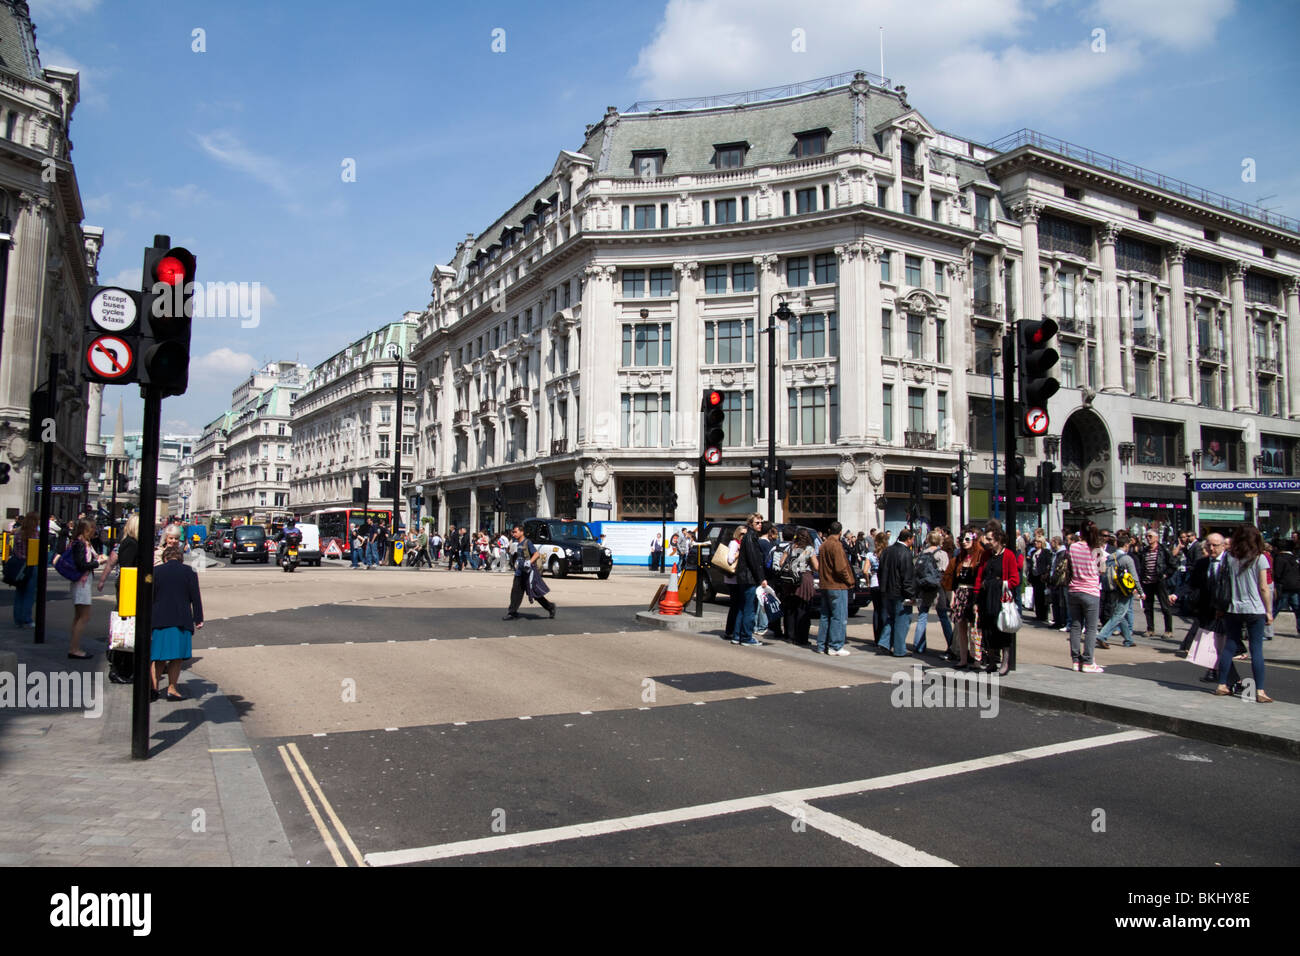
1084, 596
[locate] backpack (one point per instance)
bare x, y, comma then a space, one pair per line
1119, 581
1063, 572
66, 565
1286, 571
927, 572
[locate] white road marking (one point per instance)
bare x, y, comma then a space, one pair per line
699, 703
390, 729
461, 723
783, 801
318, 735
877, 844
585, 713
525, 718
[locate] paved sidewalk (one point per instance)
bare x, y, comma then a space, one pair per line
71, 794
1146, 686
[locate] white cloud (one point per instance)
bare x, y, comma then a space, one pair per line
226, 148
187, 194
97, 205
963, 63
222, 363
1182, 24
128, 278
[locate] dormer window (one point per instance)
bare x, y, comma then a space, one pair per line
729, 155
530, 224
648, 163
811, 142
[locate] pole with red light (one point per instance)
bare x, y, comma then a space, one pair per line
713, 436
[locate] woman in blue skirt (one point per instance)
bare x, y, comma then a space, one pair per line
177, 611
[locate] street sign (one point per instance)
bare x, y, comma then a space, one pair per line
110, 357
1257, 484
1036, 421
113, 309
713, 455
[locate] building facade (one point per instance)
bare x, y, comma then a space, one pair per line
47, 263
258, 447
210, 467
345, 422
564, 352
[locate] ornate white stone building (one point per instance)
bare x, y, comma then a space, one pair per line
566, 347
47, 263
344, 422
259, 443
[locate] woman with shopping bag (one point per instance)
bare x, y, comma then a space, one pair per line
959, 578
120, 660
995, 587
1251, 607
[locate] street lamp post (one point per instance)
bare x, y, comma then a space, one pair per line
993, 405
783, 313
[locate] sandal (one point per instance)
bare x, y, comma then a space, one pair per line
1262, 698
1222, 692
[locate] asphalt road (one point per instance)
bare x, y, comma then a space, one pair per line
482, 742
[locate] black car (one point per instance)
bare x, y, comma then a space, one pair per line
248, 542
568, 547
714, 588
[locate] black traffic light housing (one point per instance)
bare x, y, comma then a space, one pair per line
758, 477
955, 483
1016, 479
4, 472
783, 467
670, 502
1035, 366
714, 434
167, 315
577, 498
498, 503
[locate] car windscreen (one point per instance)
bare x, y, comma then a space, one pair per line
250, 534
570, 529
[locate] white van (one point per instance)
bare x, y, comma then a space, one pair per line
309, 550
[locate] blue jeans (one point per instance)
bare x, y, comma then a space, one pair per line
24, 598
372, 554
894, 624
1232, 645
923, 617
748, 611
358, 555
1122, 617
834, 619
1287, 601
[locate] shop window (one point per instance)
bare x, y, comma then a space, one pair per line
1158, 443
1222, 450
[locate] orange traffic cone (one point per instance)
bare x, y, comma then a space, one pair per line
670, 603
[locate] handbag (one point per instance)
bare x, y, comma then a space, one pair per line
719, 560
1009, 618
15, 570
1205, 649
121, 632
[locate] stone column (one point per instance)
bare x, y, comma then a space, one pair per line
1031, 296
1292, 333
1242, 393
853, 398
1128, 360
1180, 351
958, 358
687, 362
871, 306
768, 286
597, 352
1112, 374
1167, 358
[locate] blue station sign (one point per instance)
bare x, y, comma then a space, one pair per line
1248, 484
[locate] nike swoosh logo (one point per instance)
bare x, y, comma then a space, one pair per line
730, 501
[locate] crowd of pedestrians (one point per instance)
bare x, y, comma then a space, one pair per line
1088, 583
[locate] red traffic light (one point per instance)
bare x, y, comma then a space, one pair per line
715, 398
170, 270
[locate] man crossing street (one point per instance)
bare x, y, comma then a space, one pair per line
527, 578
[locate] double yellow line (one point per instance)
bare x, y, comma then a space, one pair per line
291, 755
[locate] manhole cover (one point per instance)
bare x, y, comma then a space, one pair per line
709, 680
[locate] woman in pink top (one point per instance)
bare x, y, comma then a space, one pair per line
1084, 595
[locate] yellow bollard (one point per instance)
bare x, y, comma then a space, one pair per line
33, 552
126, 603
4, 548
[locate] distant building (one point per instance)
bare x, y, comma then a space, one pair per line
344, 422
258, 445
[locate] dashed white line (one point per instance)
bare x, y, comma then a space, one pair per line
699, 703
389, 729
318, 735
461, 723
525, 718
585, 713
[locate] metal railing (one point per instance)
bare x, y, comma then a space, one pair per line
757, 96
1029, 137
921, 440
912, 171
1209, 353
1145, 340
559, 446
1267, 364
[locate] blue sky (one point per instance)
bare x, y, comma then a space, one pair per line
237, 151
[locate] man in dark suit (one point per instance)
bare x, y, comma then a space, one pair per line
897, 577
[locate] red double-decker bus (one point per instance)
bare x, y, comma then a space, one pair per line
337, 525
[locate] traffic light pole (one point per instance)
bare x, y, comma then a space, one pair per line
144, 574
397, 445
701, 567
47, 502
1009, 429
961, 494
